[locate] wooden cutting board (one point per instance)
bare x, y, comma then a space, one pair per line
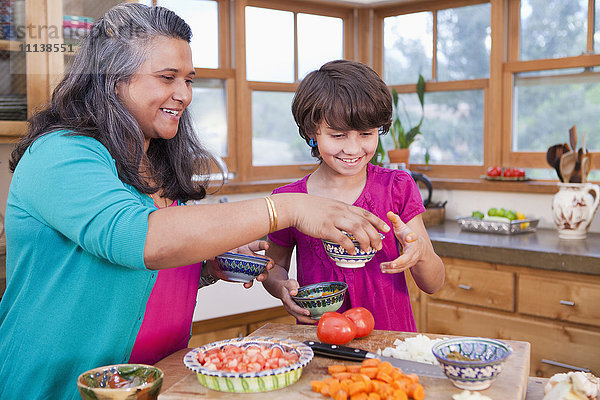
510, 385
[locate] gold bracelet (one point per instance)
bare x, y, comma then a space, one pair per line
272, 214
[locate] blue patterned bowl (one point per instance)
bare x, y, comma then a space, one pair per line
250, 382
346, 260
235, 267
121, 382
319, 298
471, 363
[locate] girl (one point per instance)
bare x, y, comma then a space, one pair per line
340, 110
89, 221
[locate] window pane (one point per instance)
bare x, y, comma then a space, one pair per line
464, 43
209, 114
407, 47
320, 39
553, 28
452, 130
597, 28
203, 17
547, 106
269, 45
275, 137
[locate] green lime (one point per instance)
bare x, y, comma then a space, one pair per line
477, 214
501, 213
510, 214
493, 212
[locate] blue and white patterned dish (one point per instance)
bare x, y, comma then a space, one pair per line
346, 260
488, 357
235, 267
320, 298
250, 382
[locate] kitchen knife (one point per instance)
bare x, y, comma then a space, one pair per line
353, 354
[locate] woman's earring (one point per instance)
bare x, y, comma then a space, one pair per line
312, 142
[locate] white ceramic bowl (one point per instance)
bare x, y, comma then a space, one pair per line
487, 357
250, 382
235, 267
346, 260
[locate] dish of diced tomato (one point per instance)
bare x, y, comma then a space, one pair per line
253, 358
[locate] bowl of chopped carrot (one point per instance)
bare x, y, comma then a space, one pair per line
373, 378
249, 365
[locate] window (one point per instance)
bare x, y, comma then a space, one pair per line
213, 90
555, 82
453, 46
283, 44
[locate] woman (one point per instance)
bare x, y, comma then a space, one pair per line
89, 222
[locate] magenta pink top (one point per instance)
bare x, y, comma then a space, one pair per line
385, 295
167, 322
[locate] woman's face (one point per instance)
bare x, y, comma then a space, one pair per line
161, 89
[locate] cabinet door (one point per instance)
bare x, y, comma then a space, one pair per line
551, 343
478, 286
560, 299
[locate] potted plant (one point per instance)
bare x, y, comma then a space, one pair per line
401, 136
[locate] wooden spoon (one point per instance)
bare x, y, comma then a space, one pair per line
553, 157
573, 137
567, 165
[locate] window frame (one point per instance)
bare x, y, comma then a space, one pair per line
490, 91
246, 171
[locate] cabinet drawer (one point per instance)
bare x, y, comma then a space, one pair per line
480, 287
559, 299
555, 342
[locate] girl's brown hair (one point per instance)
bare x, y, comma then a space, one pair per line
345, 95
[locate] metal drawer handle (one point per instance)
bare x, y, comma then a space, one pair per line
562, 365
567, 303
465, 287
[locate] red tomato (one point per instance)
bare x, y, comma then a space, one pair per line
249, 359
494, 171
519, 172
363, 319
335, 328
509, 173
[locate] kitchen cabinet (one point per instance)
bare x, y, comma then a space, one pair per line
35, 48
557, 312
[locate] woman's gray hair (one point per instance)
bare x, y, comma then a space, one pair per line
86, 102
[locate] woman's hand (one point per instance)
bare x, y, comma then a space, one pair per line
326, 218
287, 289
413, 247
251, 249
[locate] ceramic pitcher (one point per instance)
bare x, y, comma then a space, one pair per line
573, 208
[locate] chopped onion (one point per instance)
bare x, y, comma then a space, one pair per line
416, 348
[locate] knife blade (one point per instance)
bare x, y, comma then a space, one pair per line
354, 354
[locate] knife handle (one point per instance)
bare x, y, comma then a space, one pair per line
337, 351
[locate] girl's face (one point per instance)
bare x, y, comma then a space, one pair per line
162, 88
347, 153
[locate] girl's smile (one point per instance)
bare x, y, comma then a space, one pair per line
347, 153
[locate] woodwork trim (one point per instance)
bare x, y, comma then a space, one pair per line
236, 320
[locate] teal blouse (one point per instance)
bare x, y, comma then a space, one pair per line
77, 285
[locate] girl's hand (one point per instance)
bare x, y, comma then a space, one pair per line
413, 247
252, 249
287, 289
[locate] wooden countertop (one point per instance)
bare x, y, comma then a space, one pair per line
180, 382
